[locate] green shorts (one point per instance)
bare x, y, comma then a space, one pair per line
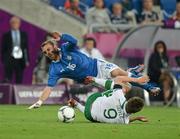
89, 102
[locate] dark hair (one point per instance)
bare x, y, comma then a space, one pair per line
156, 46
90, 39
134, 105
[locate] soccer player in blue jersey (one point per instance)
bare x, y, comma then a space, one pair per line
69, 62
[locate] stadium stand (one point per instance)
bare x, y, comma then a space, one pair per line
32, 11
88, 2
168, 8
109, 3
137, 6
57, 3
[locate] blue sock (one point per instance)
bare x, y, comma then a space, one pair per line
148, 86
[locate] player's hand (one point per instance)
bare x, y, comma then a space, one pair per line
72, 103
89, 80
142, 119
143, 79
36, 105
55, 35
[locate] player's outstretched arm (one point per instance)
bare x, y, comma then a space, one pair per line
138, 118
43, 97
69, 38
55, 35
64, 37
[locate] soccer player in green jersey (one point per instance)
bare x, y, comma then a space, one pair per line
111, 105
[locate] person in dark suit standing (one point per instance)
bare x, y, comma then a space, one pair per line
14, 51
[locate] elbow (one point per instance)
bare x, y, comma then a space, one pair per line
75, 42
69, 38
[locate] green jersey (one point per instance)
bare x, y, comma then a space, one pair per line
107, 107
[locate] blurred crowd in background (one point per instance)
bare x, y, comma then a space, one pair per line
103, 16
114, 12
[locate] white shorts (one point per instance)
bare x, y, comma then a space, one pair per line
105, 68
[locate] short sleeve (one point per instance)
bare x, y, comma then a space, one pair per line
68, 38
53, 78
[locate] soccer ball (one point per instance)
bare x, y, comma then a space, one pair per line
66, 114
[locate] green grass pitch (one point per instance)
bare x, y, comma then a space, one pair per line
16, 122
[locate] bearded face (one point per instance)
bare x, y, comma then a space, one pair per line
51, 51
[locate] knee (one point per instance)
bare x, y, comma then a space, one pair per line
118, 80
115, 73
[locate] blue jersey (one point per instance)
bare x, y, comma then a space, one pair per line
73, 64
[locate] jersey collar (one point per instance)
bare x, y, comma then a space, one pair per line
124, 107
